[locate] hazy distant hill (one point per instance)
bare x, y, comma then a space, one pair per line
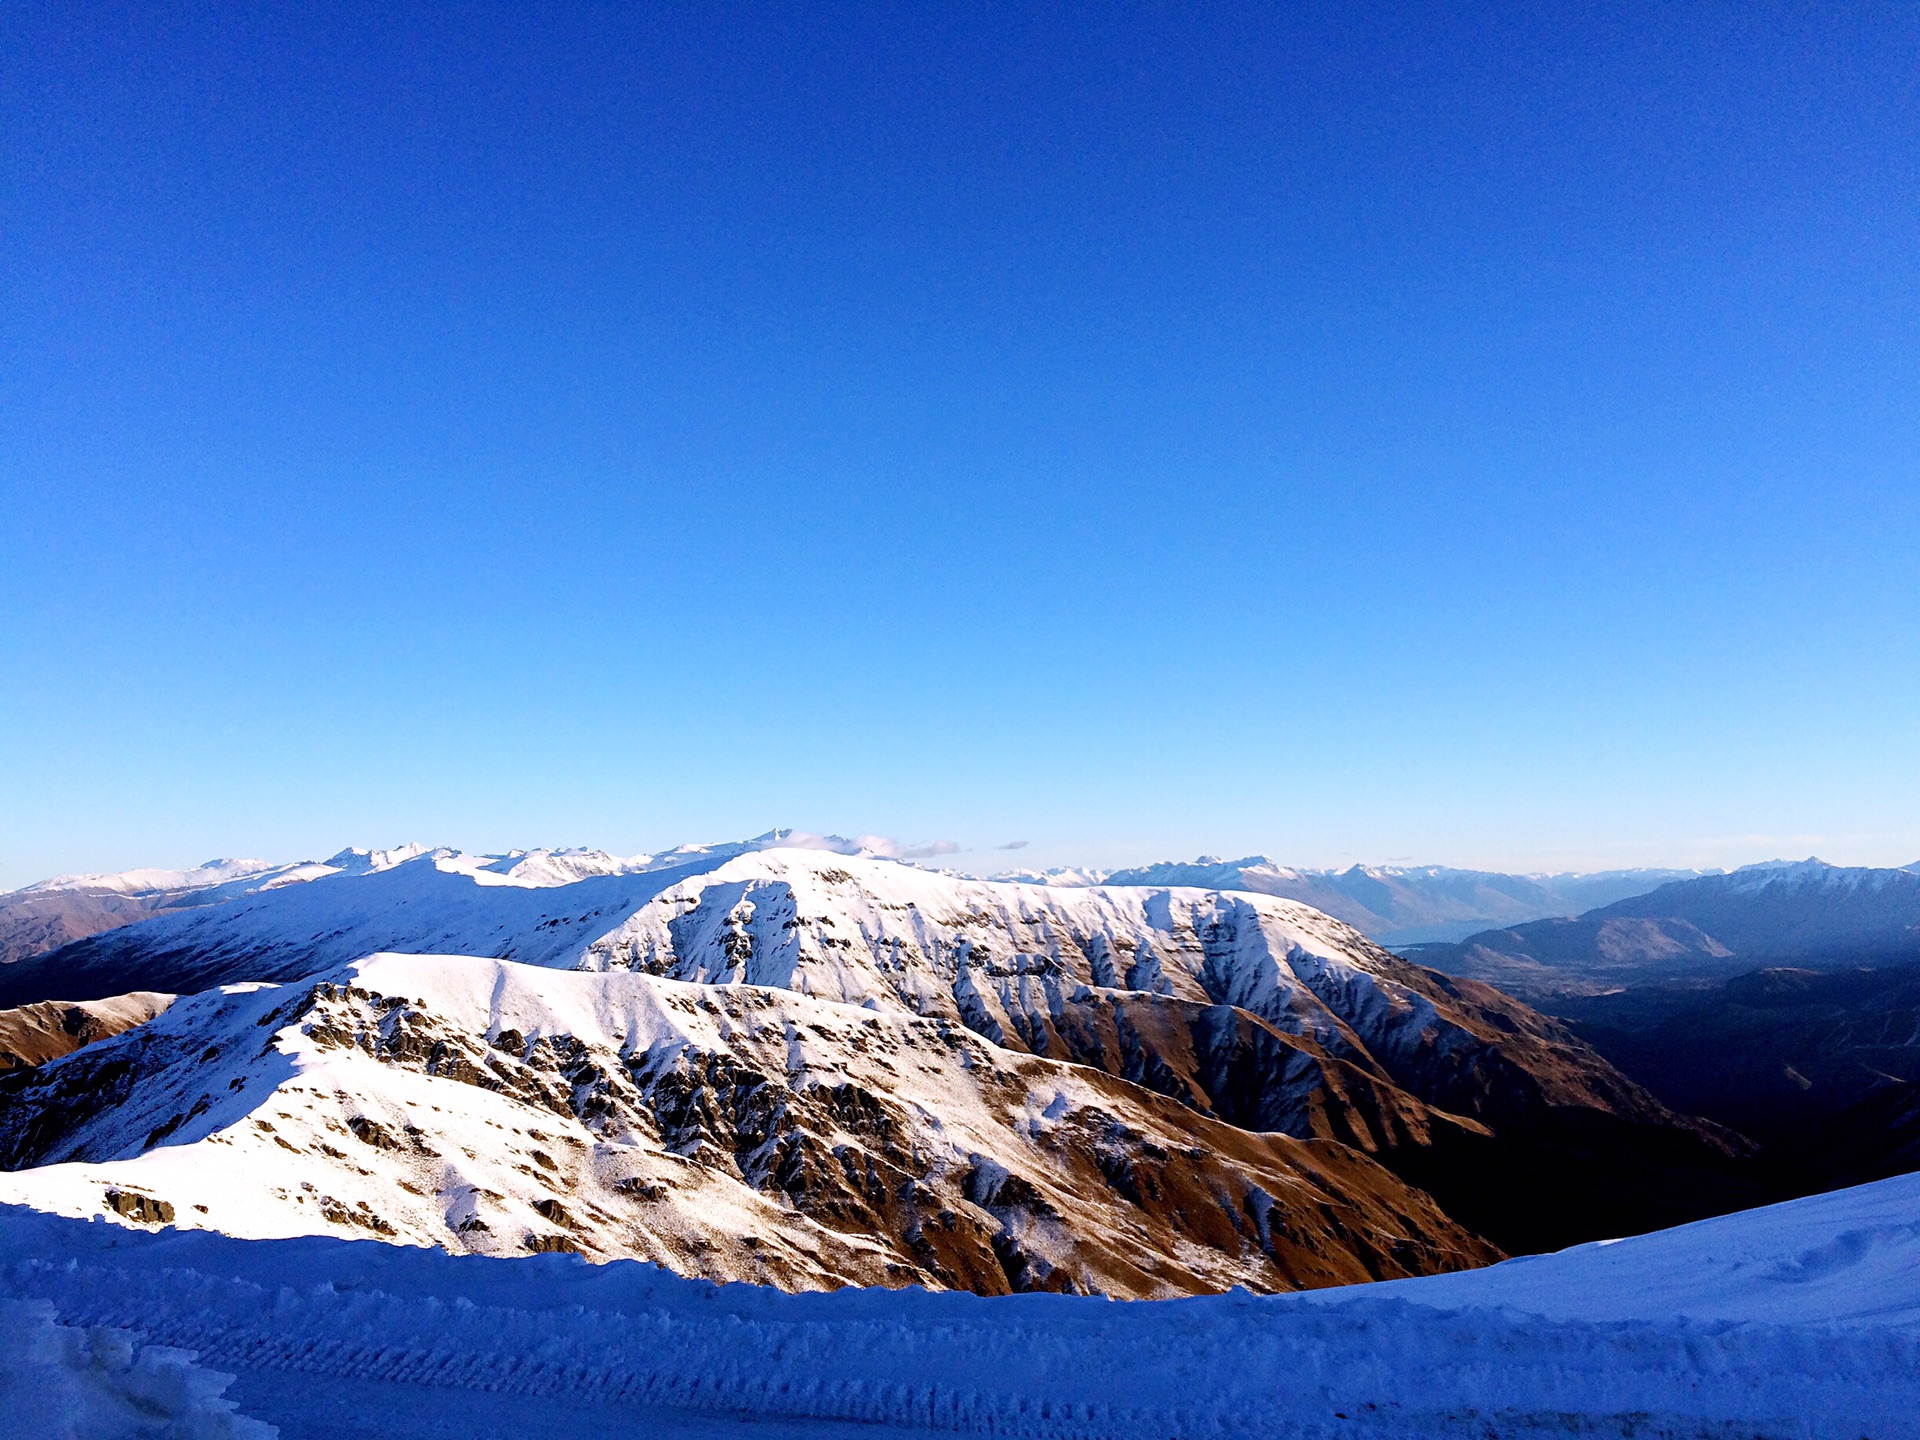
1394, 906
1803, 910
1700, 930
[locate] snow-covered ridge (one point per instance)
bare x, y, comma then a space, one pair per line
58, 912
1216, 871
1815, 873
1393, 904
1800, 1320
146, 881
730, 1131
1013, 962
529, 868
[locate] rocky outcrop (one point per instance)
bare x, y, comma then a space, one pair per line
142, 1209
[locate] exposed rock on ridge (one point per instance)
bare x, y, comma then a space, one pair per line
729, 1131
1331, 1034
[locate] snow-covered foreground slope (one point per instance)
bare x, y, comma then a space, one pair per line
1801, 1320
1849, 1258
63, 1382
731, 1131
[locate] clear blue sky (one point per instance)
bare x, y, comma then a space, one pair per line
1470, 434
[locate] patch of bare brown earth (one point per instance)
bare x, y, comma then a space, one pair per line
35, 1034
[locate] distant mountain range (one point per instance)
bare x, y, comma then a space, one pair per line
1394, 906
1391, 905
1714, 926
56, 912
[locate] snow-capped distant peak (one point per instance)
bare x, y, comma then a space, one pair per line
355, 861
147, 880
1817, 874
1063, 875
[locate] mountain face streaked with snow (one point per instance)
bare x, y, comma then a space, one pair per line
730, 1131
1394, 906
1212, 1023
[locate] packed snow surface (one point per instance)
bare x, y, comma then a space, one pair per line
62, 1382
1799, 1320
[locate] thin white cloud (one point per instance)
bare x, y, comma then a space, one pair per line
894, 850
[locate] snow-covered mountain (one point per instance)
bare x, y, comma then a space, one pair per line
1792, 910
731, 1131
1251, 1010
1392, 905
44, 916
56, 912
433, 902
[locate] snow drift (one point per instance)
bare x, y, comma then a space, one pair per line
61, 1382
